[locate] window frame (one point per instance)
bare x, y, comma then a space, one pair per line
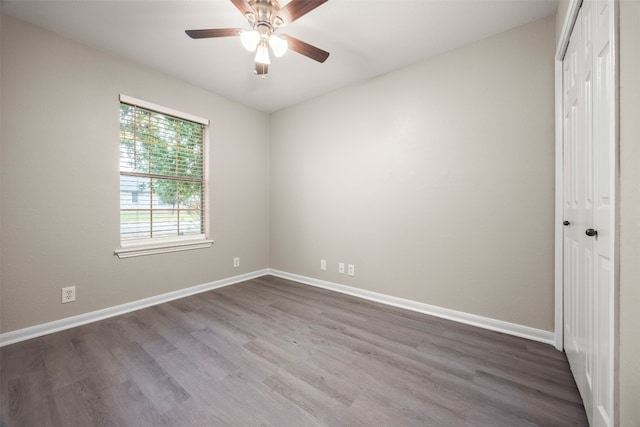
140, 247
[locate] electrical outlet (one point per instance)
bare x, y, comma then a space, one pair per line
351, 270
323, 264
68, 294
236, 262
341, 267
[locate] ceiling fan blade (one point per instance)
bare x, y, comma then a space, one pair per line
297, 8
306, 49
243, 6
217, 32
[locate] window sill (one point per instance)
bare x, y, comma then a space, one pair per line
134, 250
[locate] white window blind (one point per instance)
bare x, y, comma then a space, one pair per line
162, 175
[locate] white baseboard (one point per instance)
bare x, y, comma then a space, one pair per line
457, 316
82, 319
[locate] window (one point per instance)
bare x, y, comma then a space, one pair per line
162, 179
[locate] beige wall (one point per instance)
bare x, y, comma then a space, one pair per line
629, 351
436, 181
60, 197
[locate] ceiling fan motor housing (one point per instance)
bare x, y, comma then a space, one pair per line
265, 15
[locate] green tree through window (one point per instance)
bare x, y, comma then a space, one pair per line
162, 162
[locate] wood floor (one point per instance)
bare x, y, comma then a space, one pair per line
276, 353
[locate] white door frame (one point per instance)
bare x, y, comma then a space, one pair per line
570, 19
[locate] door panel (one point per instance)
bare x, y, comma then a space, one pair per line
574, 209
604, 183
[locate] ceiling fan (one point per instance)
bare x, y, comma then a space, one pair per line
265, 18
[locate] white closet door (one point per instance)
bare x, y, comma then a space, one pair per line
588, 144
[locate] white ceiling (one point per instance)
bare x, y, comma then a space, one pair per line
366, 38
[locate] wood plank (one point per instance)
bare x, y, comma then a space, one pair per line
63, 364
30, 398
101, 368
156, 384
80, 404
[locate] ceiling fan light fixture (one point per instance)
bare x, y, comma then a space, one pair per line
262, 54
250, 40
278, 44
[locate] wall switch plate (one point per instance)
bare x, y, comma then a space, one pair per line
68, 294
236, 262
341, 267
351, 271
323, 264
